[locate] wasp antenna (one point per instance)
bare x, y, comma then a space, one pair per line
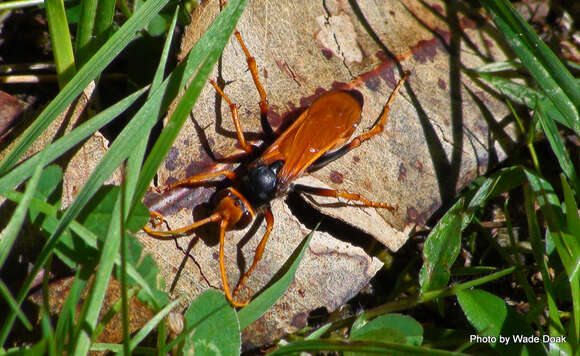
215, 217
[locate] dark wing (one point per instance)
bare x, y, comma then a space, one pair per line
328, 123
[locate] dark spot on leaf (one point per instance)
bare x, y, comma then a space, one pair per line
336, 177
488, 43
417, 164
170, 180
413, 216
327, 53
387, 72
466, 22
300, 320
367, 184
372, 83
341, 86
11, 108
274, 118
437, 8
308, 100
170, 160
445, 35
356, 159
382, 56
402, 172
425, 50
202, 163
442, 84
301, 292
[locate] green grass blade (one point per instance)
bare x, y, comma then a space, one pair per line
266, 299
549, 203
19, 4
5, 292
525, 95
84, 35
104, 21
573, 225
89, 237
119, 151
85, 75
65, 143
432, 295
557, 145
68, 314
210, 45
85, 234
152, 324
538, 248
94, 301
362, 347
61, 41
495, 67
551, 74
573, 222
12, 230
136, 158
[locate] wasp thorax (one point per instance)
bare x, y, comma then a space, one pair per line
260, 183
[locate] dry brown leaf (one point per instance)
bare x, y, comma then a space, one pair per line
63, 124
80, 163
10, 109
442, 132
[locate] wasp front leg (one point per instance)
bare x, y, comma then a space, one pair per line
264, 106
234, 110
157, 219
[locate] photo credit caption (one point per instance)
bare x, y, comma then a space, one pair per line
517, 339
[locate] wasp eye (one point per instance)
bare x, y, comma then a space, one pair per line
237, 203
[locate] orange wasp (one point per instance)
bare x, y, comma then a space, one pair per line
317, 137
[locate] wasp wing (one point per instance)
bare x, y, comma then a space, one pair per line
327, 124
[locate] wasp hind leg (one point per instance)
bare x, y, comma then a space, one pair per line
259, 250
342, 194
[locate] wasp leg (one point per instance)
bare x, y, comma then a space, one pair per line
157, 218
264, 106
181, 231
234, 110
259, 250
203, 178
375, 130
342, 194
229, 297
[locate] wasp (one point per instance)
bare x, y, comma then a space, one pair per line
319, 135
